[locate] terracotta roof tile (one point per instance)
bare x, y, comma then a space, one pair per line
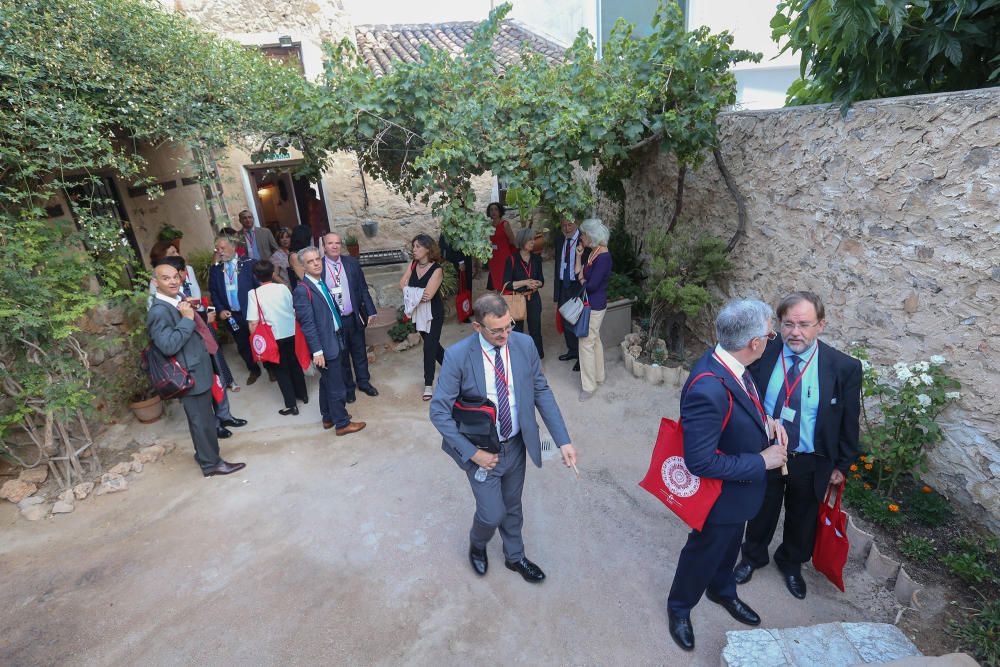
381, 45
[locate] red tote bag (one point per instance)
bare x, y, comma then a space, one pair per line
688, 496
831, 547
463, 300
265, 347
302, 352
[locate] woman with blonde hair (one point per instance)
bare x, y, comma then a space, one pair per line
593, 275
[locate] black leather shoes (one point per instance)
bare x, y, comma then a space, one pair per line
737, 608
370, 390
222, 433
294, 410
567, 356
351, 397
224, 468
576, 367
681, 631
234, 422
796, 585
304, 399
526, 569
480, 563
743, 572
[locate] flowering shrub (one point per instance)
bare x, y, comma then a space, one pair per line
900, 410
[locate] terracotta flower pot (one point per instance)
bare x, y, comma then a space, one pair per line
354, 250
147, 411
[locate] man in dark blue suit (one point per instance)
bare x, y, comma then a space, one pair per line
726, 436
816, 391
322, 324
344, 278
229, 282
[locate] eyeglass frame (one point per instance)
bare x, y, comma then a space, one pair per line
497, 332
802, 326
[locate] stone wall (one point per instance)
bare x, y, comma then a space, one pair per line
892, 214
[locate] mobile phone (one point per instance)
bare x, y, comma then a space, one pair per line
211, 309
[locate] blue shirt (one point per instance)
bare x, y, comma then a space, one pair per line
810, 394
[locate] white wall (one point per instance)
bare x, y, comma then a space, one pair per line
558, 21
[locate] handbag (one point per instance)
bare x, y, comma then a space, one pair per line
218, 391
463, 300
476, 419
302, 352
168, 378
831, 546
265, 347
688, 496
582, 327
516, 303
572, 309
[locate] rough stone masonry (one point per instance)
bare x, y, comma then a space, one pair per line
892, 214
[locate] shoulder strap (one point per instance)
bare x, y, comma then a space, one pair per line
730, 410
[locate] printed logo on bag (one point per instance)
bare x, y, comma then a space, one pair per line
466, 304
259, 344
678, 479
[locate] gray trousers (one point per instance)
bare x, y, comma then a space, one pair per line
201, 423
498, 501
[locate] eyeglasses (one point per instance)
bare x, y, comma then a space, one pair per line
500, 331
770, 335
792, 326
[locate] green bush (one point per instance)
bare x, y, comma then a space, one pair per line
970, 558
400, 330
620, 286
979, 634
928, 507
918, 549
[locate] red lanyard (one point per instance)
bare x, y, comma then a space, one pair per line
760, 408
336, 278
789, 390
501, 376
526, 267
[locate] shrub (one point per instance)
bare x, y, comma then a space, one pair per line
400, 330
928, 508
980, 633
919, 549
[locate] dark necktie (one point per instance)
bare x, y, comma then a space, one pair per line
503, 400
794, 402
751, 387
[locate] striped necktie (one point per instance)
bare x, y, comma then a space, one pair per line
503, 400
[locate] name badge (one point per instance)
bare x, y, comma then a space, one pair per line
336, 290
495, 246
787, 414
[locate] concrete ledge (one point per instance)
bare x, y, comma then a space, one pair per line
827, 644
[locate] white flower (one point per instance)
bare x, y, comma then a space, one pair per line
921, 366
902, 373
865, 365
926, 379
937, 359
923, 399
913, 381
920, 411
954, 395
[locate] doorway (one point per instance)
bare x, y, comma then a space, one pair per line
284, 200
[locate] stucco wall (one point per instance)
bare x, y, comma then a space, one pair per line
892, 214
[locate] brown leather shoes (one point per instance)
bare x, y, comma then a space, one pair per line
224, 468
352, 427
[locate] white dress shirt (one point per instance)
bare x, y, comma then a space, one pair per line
488, 352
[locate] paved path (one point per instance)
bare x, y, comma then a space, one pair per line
352, 550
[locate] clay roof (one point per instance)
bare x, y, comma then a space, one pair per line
380, 45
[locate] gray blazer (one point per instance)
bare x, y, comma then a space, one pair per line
175, 336
462, 374
266, 245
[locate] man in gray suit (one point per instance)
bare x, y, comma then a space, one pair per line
504, 367
176, 331
259, 241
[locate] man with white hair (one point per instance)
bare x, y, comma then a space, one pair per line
726, 436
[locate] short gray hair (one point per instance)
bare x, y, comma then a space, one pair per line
301, 254
740, 321
489, 304
523, 236
596, 230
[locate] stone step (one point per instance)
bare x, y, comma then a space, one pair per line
824, 645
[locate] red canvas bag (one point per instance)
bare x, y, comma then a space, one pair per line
265, 347
831, 546
463, 300
688, 496
302, 352
218, 391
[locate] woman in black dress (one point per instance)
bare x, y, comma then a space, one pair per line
425, 272
524, 273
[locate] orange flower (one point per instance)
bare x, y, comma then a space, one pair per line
893, 507
864, 458
854, 468
868, 487
856, 476
869, 466
926, 489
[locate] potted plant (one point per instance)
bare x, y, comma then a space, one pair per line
351, 243
170, 233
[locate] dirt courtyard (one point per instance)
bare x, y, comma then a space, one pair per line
352, 550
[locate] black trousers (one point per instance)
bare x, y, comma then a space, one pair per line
355, 353
200, 412
242, 338
433, 352
534, 321
706, 563
291, 379
798, 493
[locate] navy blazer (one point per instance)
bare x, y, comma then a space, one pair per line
462, 374
313, 314
838, 418
361, 300
245, 282
731, 454
569, 288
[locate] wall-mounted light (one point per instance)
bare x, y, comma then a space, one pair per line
285, 41
263, 191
